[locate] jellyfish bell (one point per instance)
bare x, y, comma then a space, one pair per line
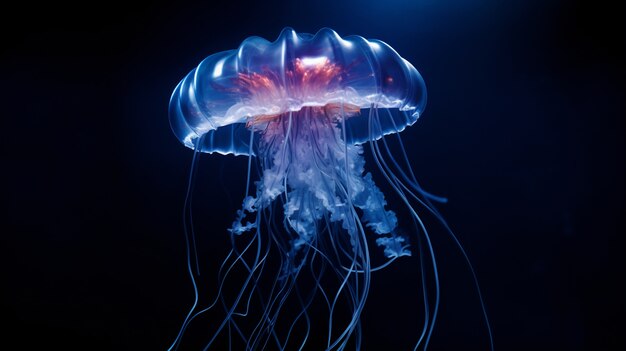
234, 90
303, 107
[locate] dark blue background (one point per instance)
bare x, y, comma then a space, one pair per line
524, 133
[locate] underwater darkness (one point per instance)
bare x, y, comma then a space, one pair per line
524, 133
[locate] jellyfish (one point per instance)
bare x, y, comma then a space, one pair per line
304, 109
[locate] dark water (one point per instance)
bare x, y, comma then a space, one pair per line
523, 132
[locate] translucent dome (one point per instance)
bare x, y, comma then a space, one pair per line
233, 92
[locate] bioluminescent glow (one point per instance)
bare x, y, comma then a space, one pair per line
303, 109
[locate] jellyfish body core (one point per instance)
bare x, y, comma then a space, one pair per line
304, 108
